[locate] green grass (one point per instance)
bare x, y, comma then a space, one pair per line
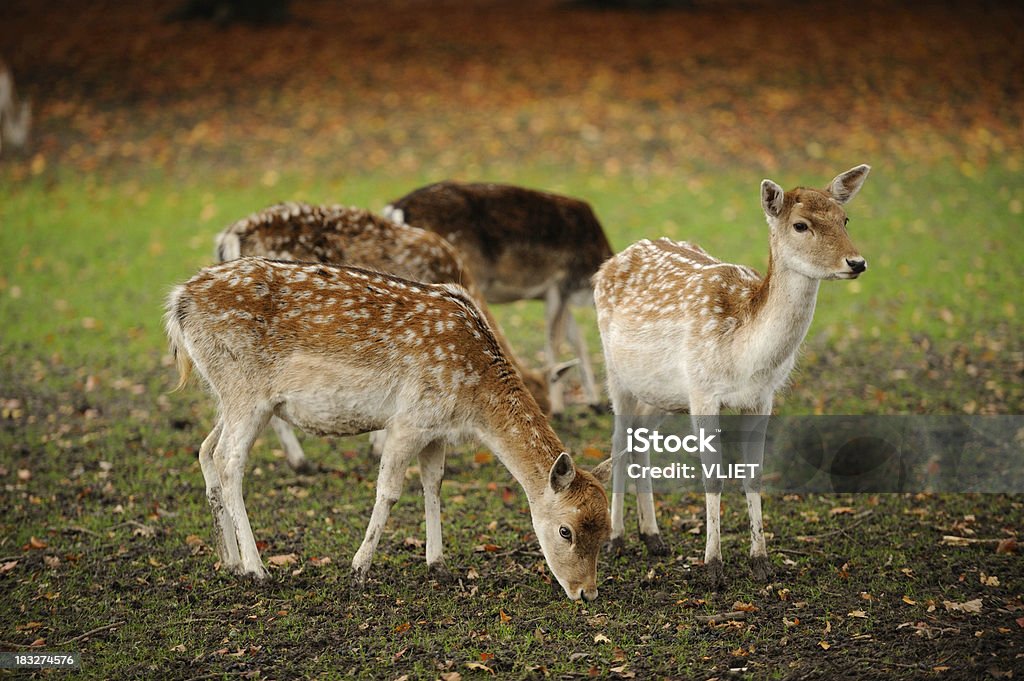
112, 487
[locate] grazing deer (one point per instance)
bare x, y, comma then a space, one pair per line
352, 236
684, 331
15, 116
520, 244
340, 350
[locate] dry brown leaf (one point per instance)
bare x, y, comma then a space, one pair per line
973, 606
283, 559
1007, 546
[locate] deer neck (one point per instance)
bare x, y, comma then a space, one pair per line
515, 430
781, 310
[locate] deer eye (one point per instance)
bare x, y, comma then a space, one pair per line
846, 221
800, 226
565, 533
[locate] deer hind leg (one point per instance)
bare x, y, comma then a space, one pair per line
401, 445
647, 519
555, 312
431, 460
240, 431
704, 414
292, 449
223, 529
754, 426
579, 344
624, 406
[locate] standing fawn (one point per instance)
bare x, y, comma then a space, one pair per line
342, 351
520, 244
684, 331
352, 236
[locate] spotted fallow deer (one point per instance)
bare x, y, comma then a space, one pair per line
341, 350
683, 331
342, 235
520, 244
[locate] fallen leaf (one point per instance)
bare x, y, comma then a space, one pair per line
35, 543
505, 617
451, 676
745, 607
824, 645
403, 627
479, 667
838, 510
909, 601
973, 606
989, 580
857, 613
8, 566
601, 638
283, 559
483, 457
1007, 546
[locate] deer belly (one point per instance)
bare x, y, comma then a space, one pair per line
328, 396
658, 383
330, 413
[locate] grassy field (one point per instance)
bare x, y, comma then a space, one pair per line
105, 543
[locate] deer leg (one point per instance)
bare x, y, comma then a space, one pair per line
230, 456
223, 530
292, 449
754, 428
704, 414
399, 449
431, 460
647, 519
579, 344
555, 310
624, 405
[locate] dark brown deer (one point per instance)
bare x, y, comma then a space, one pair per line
520, 244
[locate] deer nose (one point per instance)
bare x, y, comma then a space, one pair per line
589, 596
858, 265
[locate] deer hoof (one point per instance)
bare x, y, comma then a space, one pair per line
304, 467
761, 568
715, 574
656, 546
440, 573
359, 579
616, 546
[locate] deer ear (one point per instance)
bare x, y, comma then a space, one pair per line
846, 185
773, 197
558, 371
603, 471
563, 471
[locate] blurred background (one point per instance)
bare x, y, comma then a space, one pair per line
155, 124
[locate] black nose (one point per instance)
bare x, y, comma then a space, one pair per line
858, 265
